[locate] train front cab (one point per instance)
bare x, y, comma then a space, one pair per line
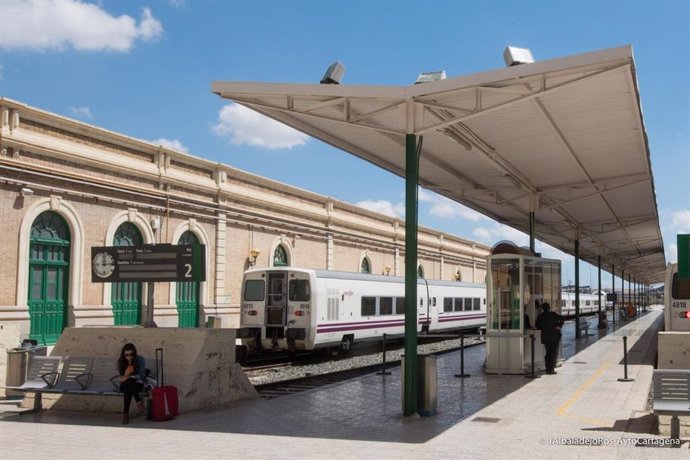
516, 285
276, 309
676, 301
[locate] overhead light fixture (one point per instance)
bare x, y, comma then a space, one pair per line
457, 139
26, 191
426, 77
513, 55
334, 74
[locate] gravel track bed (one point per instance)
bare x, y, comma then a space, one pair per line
296, 371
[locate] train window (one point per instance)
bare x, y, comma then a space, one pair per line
476, 303
458, 304
254, 290
562, 303
447, 304
299, 291
468, 304
368, 306
680, 287
386, 306
400, 305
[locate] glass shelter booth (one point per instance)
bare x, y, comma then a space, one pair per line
517, 284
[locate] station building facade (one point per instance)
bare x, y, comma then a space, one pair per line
67, 186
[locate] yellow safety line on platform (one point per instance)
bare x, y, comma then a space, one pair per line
582, 388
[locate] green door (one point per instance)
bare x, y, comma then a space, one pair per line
126, 297
48, 276
187, 296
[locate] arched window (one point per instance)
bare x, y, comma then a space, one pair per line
48, 272
280, 258
365, 266
187, 293
420, 271
126, 297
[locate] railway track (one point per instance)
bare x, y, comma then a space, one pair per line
310, 381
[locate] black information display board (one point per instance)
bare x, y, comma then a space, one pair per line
160, 262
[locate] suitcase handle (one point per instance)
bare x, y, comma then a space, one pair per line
160, 381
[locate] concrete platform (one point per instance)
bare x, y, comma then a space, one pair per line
481, 416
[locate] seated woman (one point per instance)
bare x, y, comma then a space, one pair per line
131, 368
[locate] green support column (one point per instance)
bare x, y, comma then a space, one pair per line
532, 225
599, 284
411, 176
613, 291
622, 290
577, 288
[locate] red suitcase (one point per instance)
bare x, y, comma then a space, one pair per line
164, 402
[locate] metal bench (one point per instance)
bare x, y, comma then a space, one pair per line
72, 375
672, 396
42, 373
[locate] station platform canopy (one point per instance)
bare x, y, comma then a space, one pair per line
563, 138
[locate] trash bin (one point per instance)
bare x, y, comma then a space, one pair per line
18, 360
427, 391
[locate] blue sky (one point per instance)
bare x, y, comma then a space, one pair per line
144, 69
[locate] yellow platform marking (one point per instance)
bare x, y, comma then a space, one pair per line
583, 388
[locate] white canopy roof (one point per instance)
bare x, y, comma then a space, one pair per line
564, 138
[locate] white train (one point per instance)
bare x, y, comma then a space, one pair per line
676, 301
589, 303
291, 308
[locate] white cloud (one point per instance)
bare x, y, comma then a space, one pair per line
499, 232
680, 220
172, 144
177, 3
673, 223
81, 112
383, 207
41, 25
446, 208
247, 127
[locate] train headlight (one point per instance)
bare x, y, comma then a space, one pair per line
252, 312
299, 313
685, 314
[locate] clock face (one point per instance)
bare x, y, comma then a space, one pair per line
103, 264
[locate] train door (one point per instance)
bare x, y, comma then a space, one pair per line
276, 306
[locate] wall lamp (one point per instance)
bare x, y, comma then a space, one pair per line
26, 191
253, 254
388, 270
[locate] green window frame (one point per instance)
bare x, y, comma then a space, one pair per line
187, 293
126, 297
365, 266
280, 257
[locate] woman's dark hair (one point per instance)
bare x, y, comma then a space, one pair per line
122, 361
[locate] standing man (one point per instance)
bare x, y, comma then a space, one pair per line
550, 323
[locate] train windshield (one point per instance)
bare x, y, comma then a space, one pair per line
680, 287
254, 290
299, 291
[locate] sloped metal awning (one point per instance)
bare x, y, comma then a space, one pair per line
564, 138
